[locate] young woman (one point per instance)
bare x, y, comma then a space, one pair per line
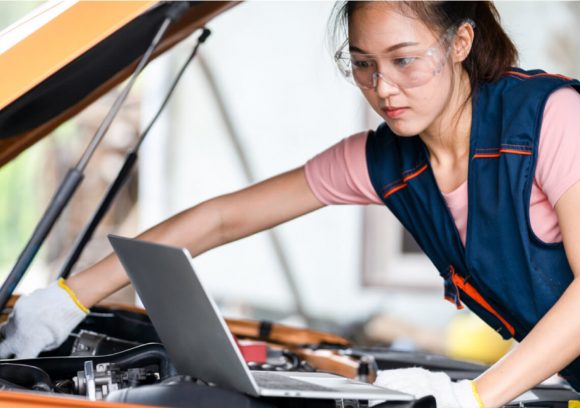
477, 159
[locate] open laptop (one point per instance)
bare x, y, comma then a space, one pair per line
198, 339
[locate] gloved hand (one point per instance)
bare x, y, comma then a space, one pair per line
420, 382
41, 321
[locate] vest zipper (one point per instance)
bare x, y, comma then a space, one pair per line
460, 283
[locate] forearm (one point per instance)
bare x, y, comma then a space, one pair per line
210, 224
549, 347
197, 229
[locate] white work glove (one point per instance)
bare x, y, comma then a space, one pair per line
41, 321
420, 382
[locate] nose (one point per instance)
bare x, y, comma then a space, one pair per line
383, 87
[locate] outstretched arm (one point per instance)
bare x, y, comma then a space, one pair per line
553, 343
210, 224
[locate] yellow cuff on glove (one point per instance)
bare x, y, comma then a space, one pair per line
476, 394
76, 300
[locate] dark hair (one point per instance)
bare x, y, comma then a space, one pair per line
492, 51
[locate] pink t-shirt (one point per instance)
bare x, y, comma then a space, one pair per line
339, 175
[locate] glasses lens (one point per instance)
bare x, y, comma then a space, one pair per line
413, 70
405, 69
363, 70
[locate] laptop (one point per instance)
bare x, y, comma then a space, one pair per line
198, 339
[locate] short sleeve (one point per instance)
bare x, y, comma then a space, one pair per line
339, 175
558, 166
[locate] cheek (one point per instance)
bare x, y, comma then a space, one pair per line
427, 103
435, 96
431, 102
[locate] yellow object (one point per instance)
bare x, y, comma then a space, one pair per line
72, 295
574, 404
477, 396
469, 338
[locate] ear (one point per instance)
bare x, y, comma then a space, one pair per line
462, 42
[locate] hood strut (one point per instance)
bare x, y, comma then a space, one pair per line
123, 174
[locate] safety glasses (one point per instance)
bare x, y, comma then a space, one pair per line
401, 68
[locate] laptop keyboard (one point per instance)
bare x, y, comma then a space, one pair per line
274, 381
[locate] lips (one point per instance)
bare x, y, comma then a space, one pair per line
394, 112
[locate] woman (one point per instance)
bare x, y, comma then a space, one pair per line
439, 75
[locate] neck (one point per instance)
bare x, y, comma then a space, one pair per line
447, 138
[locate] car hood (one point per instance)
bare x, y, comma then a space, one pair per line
64, 55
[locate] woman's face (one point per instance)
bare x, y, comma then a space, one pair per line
375, 27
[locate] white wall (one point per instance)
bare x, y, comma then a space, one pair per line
546, 33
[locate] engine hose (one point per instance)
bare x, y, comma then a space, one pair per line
26, 376
139, 356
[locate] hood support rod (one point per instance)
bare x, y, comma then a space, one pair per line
124, 173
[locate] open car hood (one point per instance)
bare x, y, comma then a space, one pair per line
51, 69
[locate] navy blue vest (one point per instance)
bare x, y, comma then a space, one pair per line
505, 273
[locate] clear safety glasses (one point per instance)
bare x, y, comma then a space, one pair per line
401, 68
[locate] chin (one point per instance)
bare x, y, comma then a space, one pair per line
402, 129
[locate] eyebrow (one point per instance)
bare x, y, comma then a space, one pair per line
391, 48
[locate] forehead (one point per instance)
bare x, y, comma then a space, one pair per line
376, 26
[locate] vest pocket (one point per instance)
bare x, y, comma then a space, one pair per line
458, 289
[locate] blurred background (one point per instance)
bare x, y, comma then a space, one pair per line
262, 97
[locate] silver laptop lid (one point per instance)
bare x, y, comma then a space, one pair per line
185, 317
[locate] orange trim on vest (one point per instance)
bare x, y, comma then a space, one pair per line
476, 296
523, 152
486, 155
415, 174
537, 75
494, 155
405, 179
395, 189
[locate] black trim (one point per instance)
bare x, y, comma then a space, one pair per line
265, 330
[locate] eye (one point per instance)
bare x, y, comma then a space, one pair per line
362, 64
403, 62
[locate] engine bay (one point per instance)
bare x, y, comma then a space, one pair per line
115, 355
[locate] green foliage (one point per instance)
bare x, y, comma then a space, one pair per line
19, 205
